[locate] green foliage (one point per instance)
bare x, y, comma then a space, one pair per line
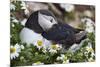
15, 32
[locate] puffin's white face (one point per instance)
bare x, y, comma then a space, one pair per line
46, 22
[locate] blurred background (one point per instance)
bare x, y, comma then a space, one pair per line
69, 13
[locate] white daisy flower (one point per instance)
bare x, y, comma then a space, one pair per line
87, 20
39, 44
12, 6
65, 62
15, 51
23, 5
43, 43
26, 11
60, 58
89, 29
22, 47
13, 25
89, 25
67, 7
91, 59
89, 47
52, 51
92, 54
53, 48
63, 58
44, 50
15, 20
37, 63
86, 53
56, 46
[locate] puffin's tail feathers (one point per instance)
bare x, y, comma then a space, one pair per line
80, 36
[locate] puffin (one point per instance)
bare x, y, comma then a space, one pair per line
45, 23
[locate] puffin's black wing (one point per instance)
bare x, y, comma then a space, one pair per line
75, 30
64, 34
59, 32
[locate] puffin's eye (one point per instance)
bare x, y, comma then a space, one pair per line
51, 20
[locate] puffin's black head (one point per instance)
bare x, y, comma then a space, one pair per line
40, 21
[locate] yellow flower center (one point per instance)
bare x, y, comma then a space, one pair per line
91, 50
12, 50
38, 62
39, 42
54, 47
